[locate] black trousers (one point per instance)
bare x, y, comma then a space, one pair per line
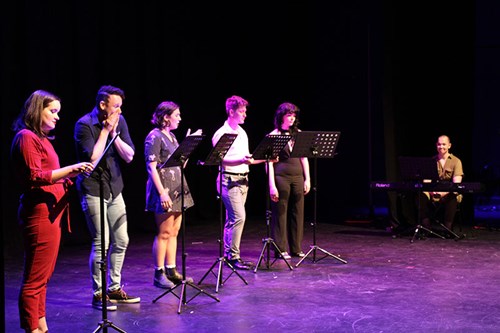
287, 222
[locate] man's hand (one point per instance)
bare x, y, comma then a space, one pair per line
111, 122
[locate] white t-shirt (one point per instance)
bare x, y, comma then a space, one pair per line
238, 150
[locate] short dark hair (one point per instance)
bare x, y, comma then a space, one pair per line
234, 102
104, 93
164, 108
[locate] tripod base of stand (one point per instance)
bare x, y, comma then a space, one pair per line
220, 281
313, 250
268, 242
105, 324
183, 296
448, 230
451, 232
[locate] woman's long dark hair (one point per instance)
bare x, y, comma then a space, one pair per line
284, 109
31, 113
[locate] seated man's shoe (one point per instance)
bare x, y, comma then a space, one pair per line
299, 254
423, 234
239, 264
402, 230
450, 236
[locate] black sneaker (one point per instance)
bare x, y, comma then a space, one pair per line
120, 296
97, 303
239, 264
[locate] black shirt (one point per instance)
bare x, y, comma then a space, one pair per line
87, 130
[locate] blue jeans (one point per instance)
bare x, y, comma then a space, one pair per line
116, 221
234, 196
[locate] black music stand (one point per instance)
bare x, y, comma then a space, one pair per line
269, 149
422, 170
105, 323
316, 145
179, 158
418, 169
215, 157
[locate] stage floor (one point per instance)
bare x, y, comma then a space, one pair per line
387, 285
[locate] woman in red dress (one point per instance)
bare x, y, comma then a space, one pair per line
44, 186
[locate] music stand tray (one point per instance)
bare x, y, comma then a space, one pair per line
178, 158
270, 146
418, 168
269, 149
184, 150
216, 157
316, 144
220, 149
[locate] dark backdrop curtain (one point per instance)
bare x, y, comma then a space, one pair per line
389, 77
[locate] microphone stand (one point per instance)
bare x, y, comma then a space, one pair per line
103, 263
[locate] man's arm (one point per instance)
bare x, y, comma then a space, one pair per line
88, 149
123, 142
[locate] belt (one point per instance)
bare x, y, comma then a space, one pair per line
235, 174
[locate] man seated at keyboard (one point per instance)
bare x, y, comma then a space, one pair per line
449, 169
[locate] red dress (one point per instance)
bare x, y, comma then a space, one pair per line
40, 210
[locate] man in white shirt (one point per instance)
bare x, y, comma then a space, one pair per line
235, 169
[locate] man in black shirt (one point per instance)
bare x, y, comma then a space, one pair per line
93, 131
